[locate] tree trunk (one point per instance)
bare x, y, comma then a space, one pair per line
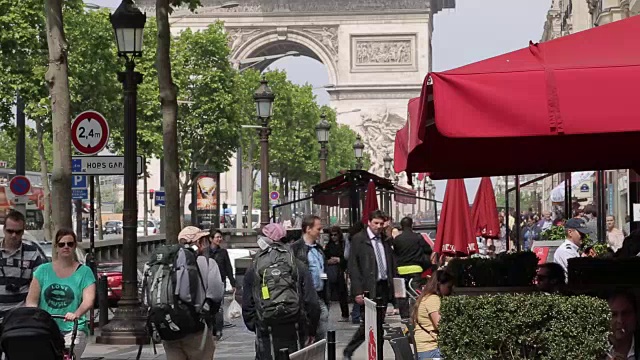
98, 206
185, 187
58, 81
169, 104
44, 172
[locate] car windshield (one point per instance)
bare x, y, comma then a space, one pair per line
47, 247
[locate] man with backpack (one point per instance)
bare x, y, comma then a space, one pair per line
279, 301
183, 290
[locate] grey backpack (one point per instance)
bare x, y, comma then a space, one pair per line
276, 292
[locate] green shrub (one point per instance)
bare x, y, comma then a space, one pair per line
555, 232
523, 327
507, 269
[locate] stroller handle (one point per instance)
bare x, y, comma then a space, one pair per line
74, 332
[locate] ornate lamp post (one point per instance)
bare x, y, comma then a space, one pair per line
128, 324
388, 162
358, 148
322, 133
264, 106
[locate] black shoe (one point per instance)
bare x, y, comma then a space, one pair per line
346, 357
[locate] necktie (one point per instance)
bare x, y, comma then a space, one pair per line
382, 264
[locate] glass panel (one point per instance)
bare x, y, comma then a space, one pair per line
138, 40
126, 40
264, 109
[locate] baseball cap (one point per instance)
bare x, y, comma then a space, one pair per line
191, 234
579, 225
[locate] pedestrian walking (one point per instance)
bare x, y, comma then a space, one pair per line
310, 253
183, 321
337, 264
18, 260
279, 301
65, 287
221, 257
371, 268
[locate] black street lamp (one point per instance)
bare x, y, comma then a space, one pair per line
264, 98
322, 133
128, 324
388, 161
358, 148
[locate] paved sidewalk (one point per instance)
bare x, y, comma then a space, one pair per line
237, 343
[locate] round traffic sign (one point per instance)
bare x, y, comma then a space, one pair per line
19, 185
89, 132
274, 195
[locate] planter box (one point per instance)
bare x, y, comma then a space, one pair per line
477, 291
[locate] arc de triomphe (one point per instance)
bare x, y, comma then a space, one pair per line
376, 52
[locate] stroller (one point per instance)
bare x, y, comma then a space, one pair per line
32, 333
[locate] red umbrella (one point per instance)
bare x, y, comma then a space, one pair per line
484, 213
455, 236
557, 94
370, 202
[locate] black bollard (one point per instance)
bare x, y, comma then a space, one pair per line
283, 354
103, 301
381, 307
331, 345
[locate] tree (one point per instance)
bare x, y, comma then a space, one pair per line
8, 146
209, 119
169, 104
57, 78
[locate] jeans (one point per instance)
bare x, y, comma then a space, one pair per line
323, 324
355, 313
431, 354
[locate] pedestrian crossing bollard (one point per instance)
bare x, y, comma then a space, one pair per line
331, 345
103, 301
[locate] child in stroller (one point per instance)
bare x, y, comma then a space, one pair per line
31, 333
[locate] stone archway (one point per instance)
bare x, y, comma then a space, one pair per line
314, 42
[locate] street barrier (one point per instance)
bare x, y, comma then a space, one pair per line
321, 350
103, 301
374, 332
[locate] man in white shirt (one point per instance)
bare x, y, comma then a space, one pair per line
577, 231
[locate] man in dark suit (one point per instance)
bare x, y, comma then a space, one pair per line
371, 268
412, 255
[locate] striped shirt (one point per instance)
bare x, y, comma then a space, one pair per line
16, 267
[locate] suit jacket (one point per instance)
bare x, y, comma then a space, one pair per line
363, 268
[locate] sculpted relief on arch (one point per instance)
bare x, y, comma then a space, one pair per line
378, 130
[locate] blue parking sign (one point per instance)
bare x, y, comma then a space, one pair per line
79, 182
159, 198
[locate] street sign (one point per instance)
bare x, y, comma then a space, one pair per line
89, 132
79, 194
274, 196
159, 198
19, 185
79, 182
101, 165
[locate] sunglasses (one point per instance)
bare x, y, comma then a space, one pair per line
66, 244
14, 232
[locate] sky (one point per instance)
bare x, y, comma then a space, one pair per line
473, 31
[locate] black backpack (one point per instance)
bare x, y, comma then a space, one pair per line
276, 291
31, 333
171, 284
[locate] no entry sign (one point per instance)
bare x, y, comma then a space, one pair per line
89, 132
274, 196
20, 185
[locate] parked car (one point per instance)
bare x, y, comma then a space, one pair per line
152, 227
112, 227
113, 272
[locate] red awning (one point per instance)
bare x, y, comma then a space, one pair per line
574, 92
404, 195
406, 135
484, 212
455, 236
370, 202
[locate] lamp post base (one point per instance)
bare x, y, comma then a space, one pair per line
128, 327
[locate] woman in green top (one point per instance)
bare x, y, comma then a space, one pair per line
65, 287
